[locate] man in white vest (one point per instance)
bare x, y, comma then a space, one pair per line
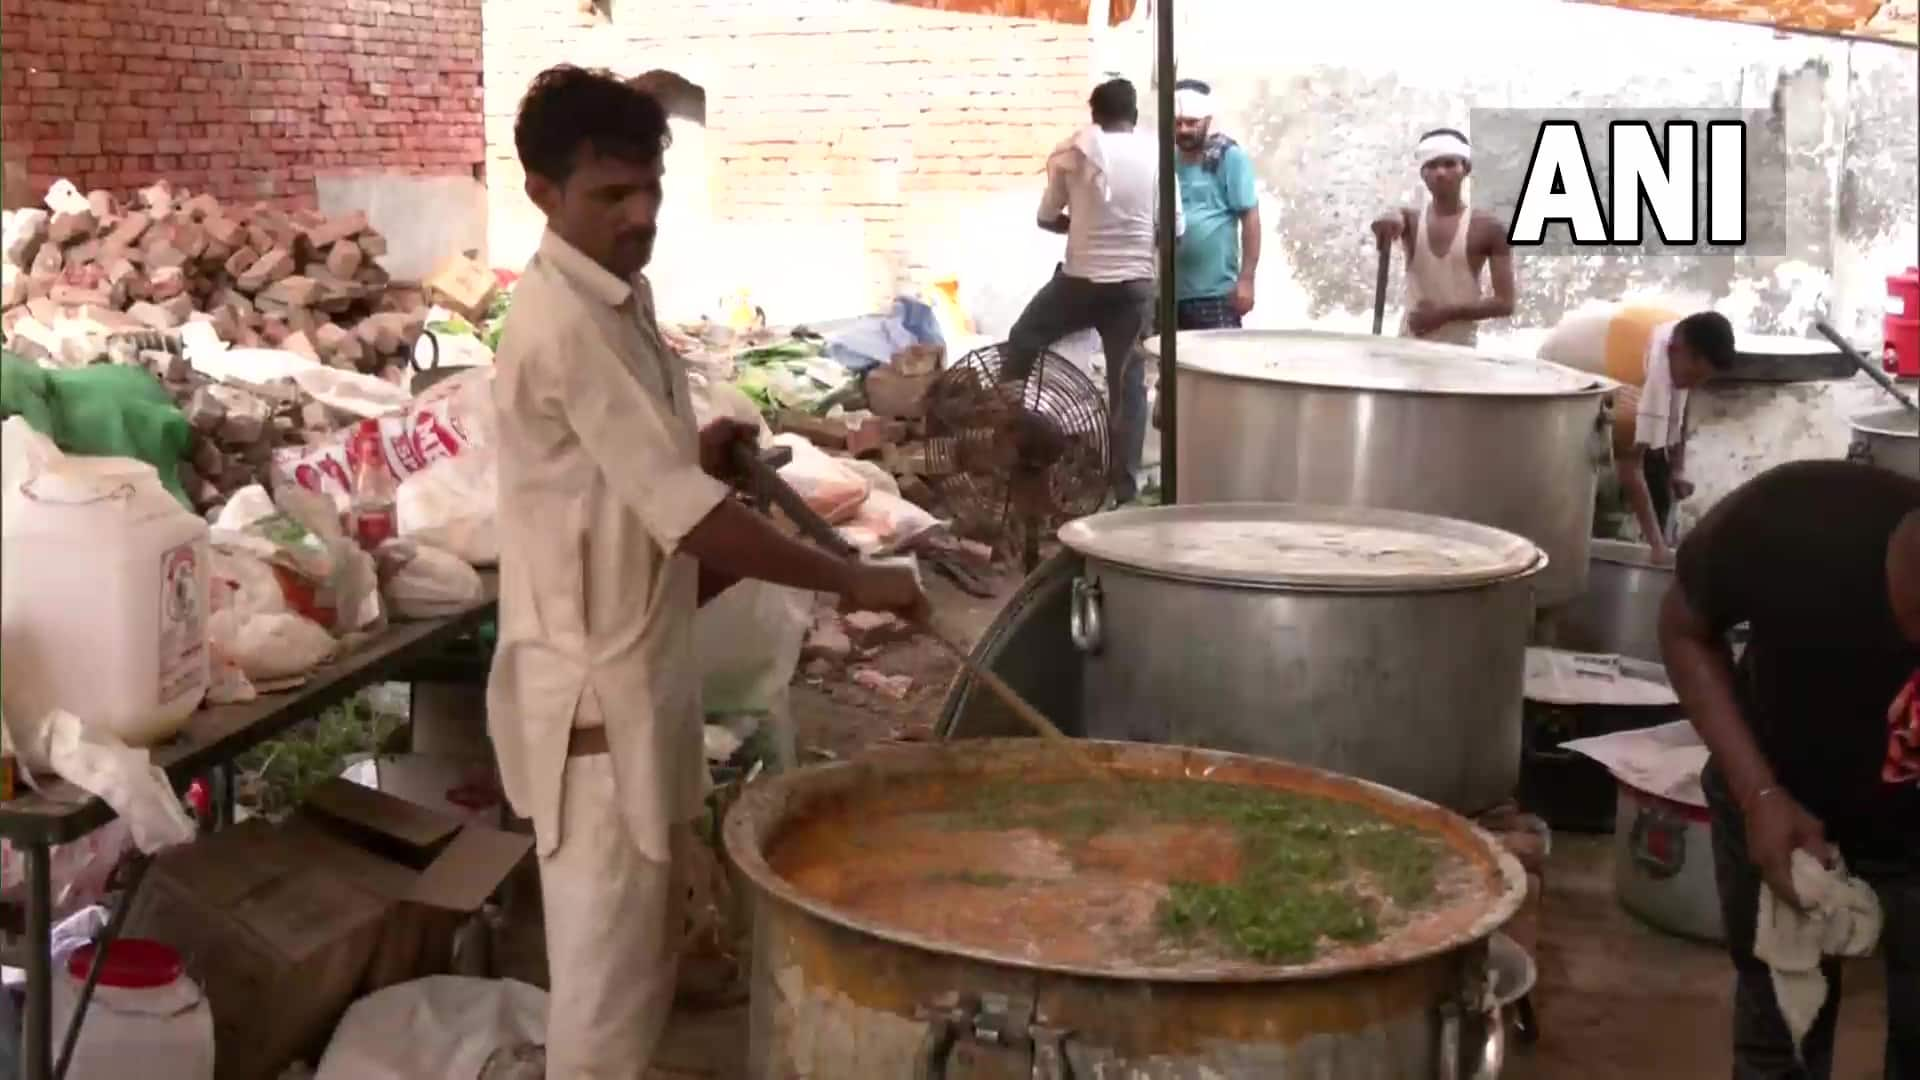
1449, 247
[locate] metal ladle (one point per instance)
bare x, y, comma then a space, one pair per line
1874, 373
766, 482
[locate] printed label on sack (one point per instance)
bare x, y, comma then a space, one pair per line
441, 423
183, 624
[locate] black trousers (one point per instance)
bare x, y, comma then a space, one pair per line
1762, 1046
1117, 311
1658, 470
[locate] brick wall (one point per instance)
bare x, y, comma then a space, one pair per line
889, 120
249, 99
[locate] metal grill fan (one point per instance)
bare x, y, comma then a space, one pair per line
1015, 460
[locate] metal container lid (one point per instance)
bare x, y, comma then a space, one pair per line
1626, 553
1899, 422
1363, 362
1292, 545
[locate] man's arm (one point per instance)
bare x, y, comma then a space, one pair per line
1630, 468
626, 431
1053, 202
1243, 197
1701, 667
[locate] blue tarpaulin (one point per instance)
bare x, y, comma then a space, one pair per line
874, 339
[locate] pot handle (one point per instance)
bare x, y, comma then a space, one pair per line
1484, 1062
1083, 619
954, 1016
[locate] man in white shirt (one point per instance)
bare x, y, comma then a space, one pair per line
1657, 359
1102, 192
614, 526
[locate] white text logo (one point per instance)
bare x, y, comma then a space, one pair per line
1700, 162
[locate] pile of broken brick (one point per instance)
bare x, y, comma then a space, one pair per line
98, 279
298, 281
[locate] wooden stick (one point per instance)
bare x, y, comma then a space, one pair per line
1020, 706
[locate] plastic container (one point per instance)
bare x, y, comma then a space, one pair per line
147, 1018
1663, 865
103, 602
1902, 330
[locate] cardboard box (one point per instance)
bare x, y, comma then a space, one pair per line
284, 926
278, 946
464, 285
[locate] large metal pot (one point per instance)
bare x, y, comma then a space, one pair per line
836, 996
1344, 420
1889, 438
1620, 610
1197, 632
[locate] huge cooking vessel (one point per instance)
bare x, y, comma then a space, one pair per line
1620, 610
1339, 419
1889, 438
835, 996
1386, 645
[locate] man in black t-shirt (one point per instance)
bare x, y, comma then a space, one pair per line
1821, 560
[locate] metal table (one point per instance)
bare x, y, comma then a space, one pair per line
207, 746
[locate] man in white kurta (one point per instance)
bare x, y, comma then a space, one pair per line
605, 503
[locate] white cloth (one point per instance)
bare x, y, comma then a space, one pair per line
612, 920
1192, 105
1660, 415
1842, 917
1441, 144
1445, 279
600, 482
1111, 194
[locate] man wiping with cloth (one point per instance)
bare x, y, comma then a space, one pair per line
1448, 247
1813, 784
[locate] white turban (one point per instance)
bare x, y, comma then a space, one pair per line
1442, 144
1190, 104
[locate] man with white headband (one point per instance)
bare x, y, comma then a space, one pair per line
1448, 247
1103, 188
1220, 249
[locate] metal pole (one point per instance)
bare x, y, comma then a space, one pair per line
1169, 191
37, 1035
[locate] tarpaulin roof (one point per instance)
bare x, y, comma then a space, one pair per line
1880, 20
1891, 20
1064, 11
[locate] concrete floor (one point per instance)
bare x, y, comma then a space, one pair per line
1619, 999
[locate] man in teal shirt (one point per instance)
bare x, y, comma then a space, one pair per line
1220, 248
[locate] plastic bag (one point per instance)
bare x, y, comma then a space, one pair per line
80, 868
829, 487
271, 647
124, 777
441, 1026
887, 523
423, 582
449, 419
244, 507
748, 640
874, 340
453, 505
714, 400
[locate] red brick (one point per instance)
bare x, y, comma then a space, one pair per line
109, 103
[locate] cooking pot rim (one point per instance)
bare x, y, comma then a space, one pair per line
1895, 422
1591, 384
766, 803
1083, 536
1625, 553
